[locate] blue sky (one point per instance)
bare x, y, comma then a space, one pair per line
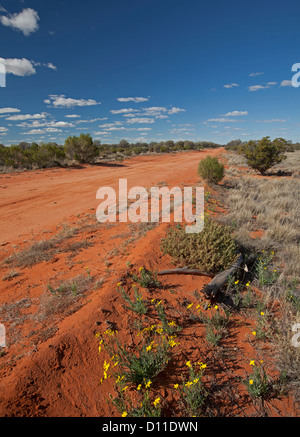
149, 70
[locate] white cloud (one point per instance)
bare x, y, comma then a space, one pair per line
123, 111
155, 109
286, 83
161, 116
273, 120
107, 125
257, 87
222, 120
47, 65
175, 110
140, 120
18, 67
132, 99
271, 83
3, 129
52, 129
60, 124
25, 21
235, 113
102, 133
92, 120
8, 110
51, 66
73, 116
34, 132
27, 116
255, 74
63, 102
230, 85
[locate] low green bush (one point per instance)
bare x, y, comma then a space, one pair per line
212, 250
211, 169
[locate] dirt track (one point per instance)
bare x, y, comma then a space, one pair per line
34, 201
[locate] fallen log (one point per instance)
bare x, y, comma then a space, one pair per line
185, 271
220, 279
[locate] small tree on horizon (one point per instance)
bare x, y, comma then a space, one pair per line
81, 148
264, 154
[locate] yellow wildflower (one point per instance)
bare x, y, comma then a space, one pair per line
253, 332
251, 381
172, 343
139, 387
147, 385
124, 414
176, 385
188, 363
156, 402
252, 363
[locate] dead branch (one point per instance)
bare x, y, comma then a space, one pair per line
220, 280
185, 271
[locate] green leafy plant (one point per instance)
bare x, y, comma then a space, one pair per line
264, 272
138, 304
193, 393
212, 250
148, 360
211, 169
146, 278
143, 405
258, 383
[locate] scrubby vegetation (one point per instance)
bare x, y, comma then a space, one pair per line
211, 170
212, 250
264, 154
83, 149
263, 213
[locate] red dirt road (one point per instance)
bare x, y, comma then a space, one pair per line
33, 201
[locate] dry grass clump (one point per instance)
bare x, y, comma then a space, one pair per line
60, 299
45, 250
271, 205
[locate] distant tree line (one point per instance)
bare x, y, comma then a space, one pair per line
83, 149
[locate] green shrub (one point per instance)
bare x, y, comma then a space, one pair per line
211, 169
81, 148
212, 250
264, 154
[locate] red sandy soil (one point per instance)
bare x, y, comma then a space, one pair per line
52, 366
